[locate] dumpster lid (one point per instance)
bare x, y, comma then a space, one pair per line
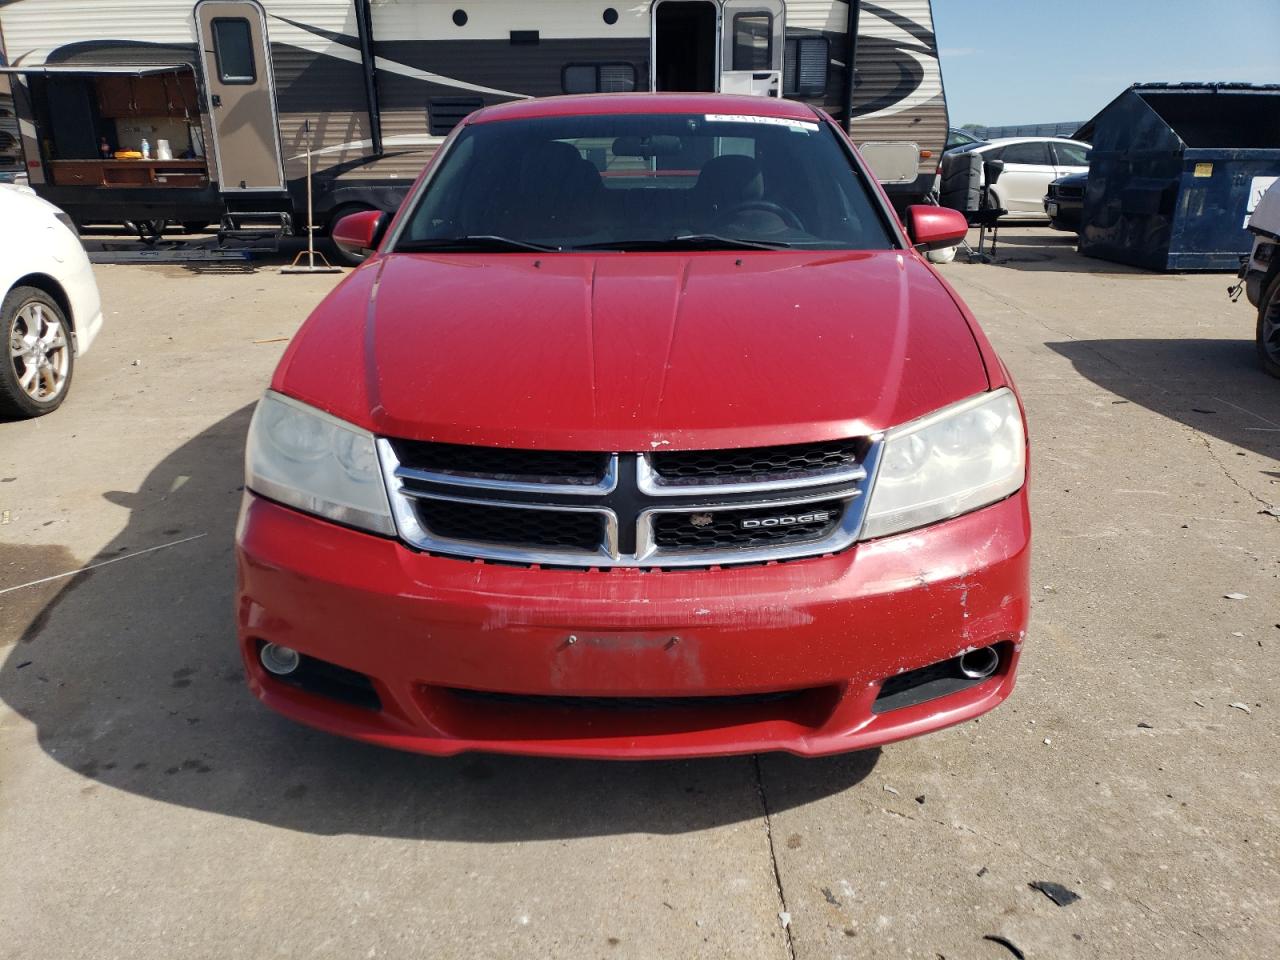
1225, 115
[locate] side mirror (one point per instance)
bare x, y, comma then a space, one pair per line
358, 234
933, 228
991, 169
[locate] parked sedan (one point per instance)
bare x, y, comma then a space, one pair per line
49, 305
1064, 202
645, 431
1030, 165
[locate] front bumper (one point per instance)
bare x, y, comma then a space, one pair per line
1064, 214
473, 656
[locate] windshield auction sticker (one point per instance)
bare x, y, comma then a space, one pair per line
769, 121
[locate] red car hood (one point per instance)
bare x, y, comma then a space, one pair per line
627, 351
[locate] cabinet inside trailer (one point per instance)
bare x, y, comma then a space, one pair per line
92, 125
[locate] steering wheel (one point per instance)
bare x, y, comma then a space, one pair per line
765, 206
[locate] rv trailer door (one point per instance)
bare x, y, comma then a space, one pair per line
751, 45
240, 95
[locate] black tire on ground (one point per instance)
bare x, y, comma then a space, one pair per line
195, 226
1268, 331
22, 311
346, 209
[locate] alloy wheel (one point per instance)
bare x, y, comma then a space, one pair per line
39, 351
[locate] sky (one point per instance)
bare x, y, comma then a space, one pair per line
1050, 61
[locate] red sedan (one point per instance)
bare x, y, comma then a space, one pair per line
644, 431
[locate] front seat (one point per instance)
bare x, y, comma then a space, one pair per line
558, 190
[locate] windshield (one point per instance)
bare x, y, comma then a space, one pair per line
646, 181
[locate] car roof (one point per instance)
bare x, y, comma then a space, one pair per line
640, 103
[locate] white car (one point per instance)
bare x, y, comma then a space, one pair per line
49, 305
1261, 273
1030, 165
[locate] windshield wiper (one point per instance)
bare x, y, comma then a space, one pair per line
471, 242
689, 241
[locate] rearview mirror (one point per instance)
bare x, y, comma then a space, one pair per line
933, 228
655, 145
358, 234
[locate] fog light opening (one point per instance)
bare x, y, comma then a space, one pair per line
279, 660
979, 664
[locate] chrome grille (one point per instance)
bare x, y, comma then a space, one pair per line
665, 509
497, 463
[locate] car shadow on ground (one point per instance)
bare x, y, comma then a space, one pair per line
1216, 387
130, 675
1045, 249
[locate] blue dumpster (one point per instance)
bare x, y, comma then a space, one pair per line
1175, 170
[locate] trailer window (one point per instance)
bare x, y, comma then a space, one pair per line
804, 67
233, 47
598, 78
752, 41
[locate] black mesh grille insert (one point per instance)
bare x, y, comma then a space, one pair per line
1070, 193
512, 526
499, 463
794, 461
754, 527
626, 703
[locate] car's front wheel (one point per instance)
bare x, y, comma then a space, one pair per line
40, 358
1269, 327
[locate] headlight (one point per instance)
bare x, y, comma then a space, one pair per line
948, 463
307, 459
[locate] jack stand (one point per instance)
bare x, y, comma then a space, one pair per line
981, 255
310, 252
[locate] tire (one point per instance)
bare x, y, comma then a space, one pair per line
39, 358
1268, 331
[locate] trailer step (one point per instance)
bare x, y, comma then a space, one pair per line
179, 251
261, 228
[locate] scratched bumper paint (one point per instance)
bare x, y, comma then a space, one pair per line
829, 630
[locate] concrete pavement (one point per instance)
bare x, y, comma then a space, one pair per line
150, 808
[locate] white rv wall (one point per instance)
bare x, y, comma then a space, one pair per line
33, 28
495, 19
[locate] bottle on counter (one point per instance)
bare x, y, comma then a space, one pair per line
104, 148
146, 149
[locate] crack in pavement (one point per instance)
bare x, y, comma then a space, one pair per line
1223, 467
773, 859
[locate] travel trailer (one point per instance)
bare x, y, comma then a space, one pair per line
10, 149
179, 112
